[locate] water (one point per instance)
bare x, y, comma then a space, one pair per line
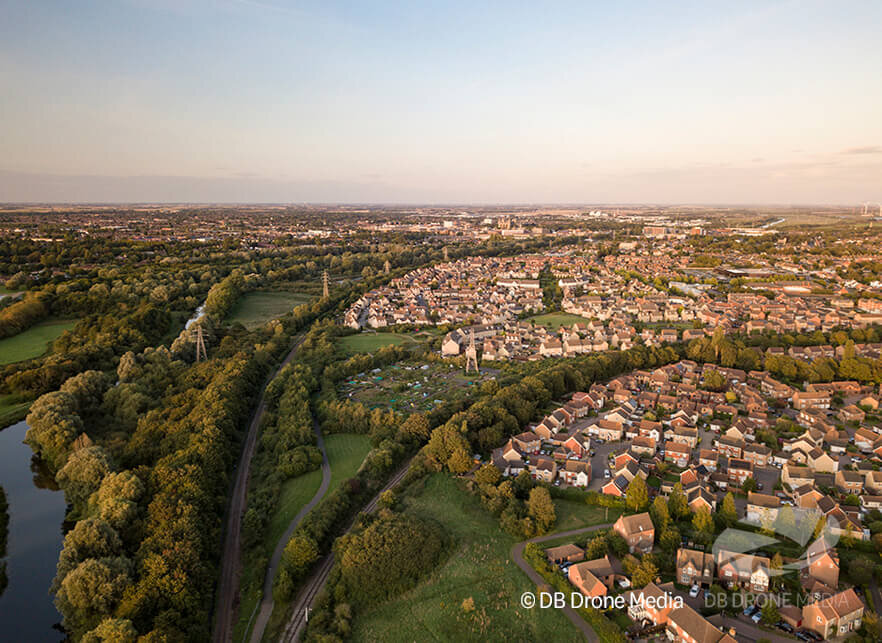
36, 513
196, 316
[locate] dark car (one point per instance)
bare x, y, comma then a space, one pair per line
808, 635
784, 627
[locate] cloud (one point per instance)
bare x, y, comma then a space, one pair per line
868, 149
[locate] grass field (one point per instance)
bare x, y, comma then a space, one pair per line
34, 341
345, 454
369, 342
572, 514
554, 321
479, 567
256, 308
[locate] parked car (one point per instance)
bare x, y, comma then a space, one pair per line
784, 627
694, 591
756, 618
606, 473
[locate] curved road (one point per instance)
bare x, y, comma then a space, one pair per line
266, 603
517, 552
228, 584
316, 582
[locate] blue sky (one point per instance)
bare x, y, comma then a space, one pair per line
454, 102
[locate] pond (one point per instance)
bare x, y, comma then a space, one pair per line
36, 516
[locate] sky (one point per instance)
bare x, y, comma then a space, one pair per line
441, 102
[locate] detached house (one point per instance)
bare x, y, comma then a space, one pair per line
695, 567
638, 531
834, 616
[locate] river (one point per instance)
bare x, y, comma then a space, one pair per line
36, 514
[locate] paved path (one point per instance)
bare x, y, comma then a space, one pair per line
228, 584
316, 582
517, 553
266, 602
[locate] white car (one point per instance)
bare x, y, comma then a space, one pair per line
606, 473
694, 591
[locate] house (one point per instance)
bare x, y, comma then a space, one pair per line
743, 570
653, 606
797, 476
708, 459
850, 482
607, 430
873, 482
695, 567
576, 473
585, 581
643, 445
730, 447
739, 471
762, 508
759, 454
810, 400
688, 626
527, 442
834, 616
637, 530
565, 554
819, 461
700, 497
617, 487
677, 453
542, 468
607, 570
864, 439
851, 413
821, 568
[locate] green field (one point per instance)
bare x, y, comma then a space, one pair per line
553, 321
256, 308
479, 567
369, 342
34, 341
346, 452
572, 514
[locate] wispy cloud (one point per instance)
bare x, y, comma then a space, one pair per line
867, 149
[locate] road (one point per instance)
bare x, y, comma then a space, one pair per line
316, 582
517, 553
228, 584
266, 602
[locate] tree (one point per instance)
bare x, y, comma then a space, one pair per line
617, 544
416, 426
83, 473
660, 514
703, 523
637, 497
488, 474
112, 630
749, 485
670, 539
770, 613
728, 512
299, 555
596, 547
776, 565
91, 592
541, 508
645, 573
677, 502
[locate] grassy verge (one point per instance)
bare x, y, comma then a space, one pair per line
479, 567
12, 410
34, 341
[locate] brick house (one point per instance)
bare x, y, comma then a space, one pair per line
834, 616
695, 567
637, 530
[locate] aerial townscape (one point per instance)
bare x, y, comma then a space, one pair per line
371, 424
467, 322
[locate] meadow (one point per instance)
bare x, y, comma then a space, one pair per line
479, 567
256, 308
34, 341
370, 342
